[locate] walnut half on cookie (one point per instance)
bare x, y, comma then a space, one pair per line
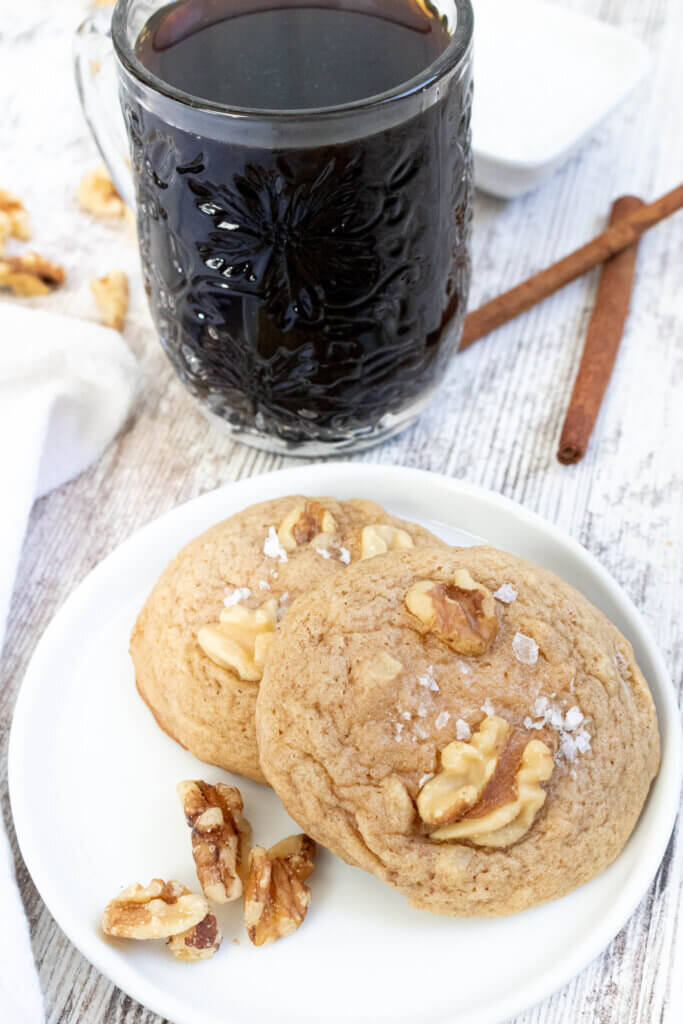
507, 821
241, 638
306, 521
462, 612
276, 898
466, 769
489, 789
378, 538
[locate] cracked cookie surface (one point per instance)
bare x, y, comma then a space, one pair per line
363, 693
200, 641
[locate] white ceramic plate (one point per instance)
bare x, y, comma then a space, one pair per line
92, 783
544, 78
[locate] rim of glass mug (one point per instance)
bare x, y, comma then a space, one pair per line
454, 57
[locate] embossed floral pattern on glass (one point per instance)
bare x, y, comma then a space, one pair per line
308, 293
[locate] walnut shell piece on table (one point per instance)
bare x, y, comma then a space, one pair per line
14, 220
97, 194
30, 274
111, 293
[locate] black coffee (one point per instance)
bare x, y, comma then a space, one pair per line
269, 55
303, 292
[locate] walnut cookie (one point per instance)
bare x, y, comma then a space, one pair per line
200, 642
462, 724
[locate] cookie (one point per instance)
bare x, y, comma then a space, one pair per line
200, 641
461, 723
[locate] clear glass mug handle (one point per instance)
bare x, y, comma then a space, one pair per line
94, 64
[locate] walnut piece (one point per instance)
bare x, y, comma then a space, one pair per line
111, 296
197, 943
384, 667
462, 613
466, 768
307, 520
14, 222
276, 897
97, 195
507, 822
220, 837
380, 538
153, 911
30, 274
240, 640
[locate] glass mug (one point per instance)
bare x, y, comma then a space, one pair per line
307, 271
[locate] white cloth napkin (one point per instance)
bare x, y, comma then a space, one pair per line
66, 387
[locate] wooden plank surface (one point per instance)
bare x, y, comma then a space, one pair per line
495, 422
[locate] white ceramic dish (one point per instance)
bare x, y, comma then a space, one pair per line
92, 784
544, 78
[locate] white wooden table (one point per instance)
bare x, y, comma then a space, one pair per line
495, 423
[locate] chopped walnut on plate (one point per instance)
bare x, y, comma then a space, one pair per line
197, 943
220, 837
154, 911
276, 898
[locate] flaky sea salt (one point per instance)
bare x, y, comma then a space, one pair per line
525, 649
398, 729
621, 664
573, 718
541, 706
344, 555
264, 585
233, 597
462, 730
573, 745
282, 605
272, 548
487, 707
323, 552
422, 711
506, 593
407, 715
428, 681
574, 738
464, 668
442, 720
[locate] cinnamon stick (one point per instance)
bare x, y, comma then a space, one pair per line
604, 334
616, 238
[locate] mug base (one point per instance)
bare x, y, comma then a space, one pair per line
354, 441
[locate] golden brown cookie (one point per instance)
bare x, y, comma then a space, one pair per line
461, 723
200, 641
